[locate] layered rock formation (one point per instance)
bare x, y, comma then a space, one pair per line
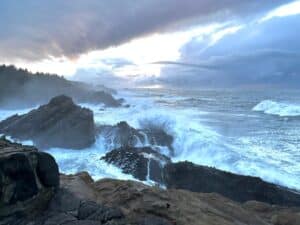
60, 123
143, 163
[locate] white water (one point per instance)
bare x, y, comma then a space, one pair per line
278, 108
193, 141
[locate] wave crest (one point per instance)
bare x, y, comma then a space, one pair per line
278, 108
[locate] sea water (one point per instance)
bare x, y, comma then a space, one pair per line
250, 132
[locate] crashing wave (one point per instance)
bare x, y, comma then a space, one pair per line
278, 108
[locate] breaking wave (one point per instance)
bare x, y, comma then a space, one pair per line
278, 108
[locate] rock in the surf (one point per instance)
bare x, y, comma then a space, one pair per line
60, 123
123, 135
120, 135
143, 163
188, 176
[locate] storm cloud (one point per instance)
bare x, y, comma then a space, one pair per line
262, 53
34, 29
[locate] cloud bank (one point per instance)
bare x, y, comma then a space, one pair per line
266, 53
34, 29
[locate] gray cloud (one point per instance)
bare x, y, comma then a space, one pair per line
35, 29
260, 54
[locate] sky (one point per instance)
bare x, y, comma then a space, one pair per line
153, 42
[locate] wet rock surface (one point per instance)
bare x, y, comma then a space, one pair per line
120, 135
143, 163
123, 135
60, 123
33, 193
186, 175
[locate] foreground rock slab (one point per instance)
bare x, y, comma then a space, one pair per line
188, 176
143, 205
60, 123
28, 179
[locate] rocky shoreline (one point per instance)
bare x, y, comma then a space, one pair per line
32, 192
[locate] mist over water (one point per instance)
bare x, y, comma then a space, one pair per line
247, 132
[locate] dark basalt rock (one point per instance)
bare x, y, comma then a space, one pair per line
160, 137
186, 175
121, 135
60, 123
142, 163
24, 186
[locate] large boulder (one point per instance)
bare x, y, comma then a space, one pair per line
143, 163
28, 179
60, 123
186, 175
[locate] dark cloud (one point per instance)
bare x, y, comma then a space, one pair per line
35, 29
259, 54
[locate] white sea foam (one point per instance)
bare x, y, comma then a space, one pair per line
193, 141
278, 108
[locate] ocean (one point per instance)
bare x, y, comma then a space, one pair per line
249, 132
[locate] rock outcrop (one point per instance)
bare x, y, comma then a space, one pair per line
157, 135
144, 205
28, 180
188, 176
123, 135
120, 135
30, 195
143, 163
60, 123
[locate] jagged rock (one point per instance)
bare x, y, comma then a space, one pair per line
120, 135
143, 163
186, 175
158, 136
28, 179
60, 123
123, 135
